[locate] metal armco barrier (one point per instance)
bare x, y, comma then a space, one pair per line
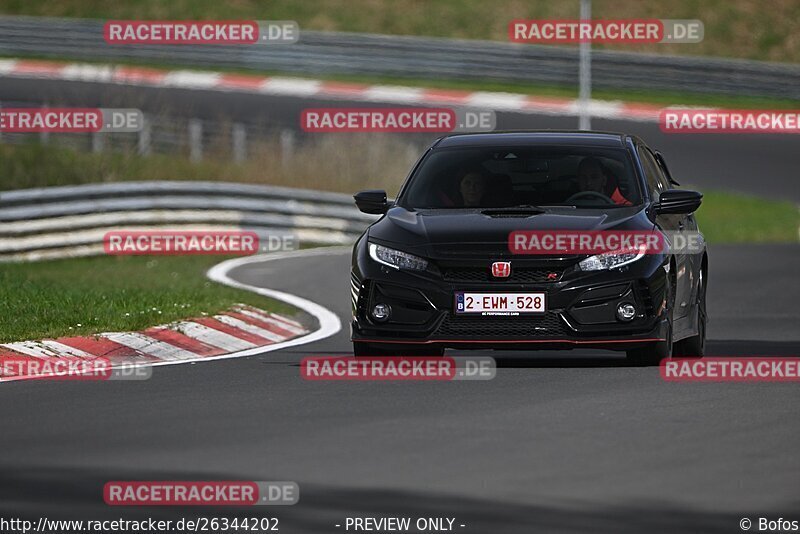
418, 57
70, 221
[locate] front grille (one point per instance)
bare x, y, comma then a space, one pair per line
519, 275
546, 326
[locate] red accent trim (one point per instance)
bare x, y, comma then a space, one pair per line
571, 341
235, 332
138, 75
550, 103
241, 81
342, 88
182, 341
10, 355
446, 95
105, 348
275, 329
281, 318
35, 66
275, 316
642, 111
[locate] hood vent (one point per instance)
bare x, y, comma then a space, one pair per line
510, 214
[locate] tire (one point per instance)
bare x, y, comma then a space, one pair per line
653, 353
361, 349
695, 346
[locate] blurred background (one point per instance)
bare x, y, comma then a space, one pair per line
746, 60
569, 442
226, 115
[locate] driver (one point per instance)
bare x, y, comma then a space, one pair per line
473, 187
593, 176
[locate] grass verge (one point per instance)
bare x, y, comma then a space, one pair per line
733, 28
87, 296
733, 218
329, 163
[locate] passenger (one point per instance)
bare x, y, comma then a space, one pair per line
594, 176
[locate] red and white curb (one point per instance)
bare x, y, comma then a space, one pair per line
309, 88
240, 328
241, 331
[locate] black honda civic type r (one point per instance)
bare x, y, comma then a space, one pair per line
445, 238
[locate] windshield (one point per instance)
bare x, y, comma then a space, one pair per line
491, 177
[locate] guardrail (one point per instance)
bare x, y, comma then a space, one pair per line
417, 57
58, 222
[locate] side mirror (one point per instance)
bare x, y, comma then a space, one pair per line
678, 201
372, 201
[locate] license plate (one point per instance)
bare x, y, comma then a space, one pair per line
499, 303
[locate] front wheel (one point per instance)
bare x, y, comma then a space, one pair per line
695, 346
361, 349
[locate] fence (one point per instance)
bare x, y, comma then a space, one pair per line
168, 133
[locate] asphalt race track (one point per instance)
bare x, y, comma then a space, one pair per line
760, 164
557, 442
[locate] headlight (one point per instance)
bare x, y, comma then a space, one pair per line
396, 259
610, 260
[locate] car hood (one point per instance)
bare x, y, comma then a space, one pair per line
472, 232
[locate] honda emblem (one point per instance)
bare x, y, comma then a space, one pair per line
501, 269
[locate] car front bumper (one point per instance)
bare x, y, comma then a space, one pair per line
581, 308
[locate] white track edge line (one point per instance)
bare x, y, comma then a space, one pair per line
329, 322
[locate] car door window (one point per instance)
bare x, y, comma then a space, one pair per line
663, 170
661, 173
655, 180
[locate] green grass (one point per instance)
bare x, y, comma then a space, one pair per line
112, 293
733, 218
749, 29
37, 165
346, 170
